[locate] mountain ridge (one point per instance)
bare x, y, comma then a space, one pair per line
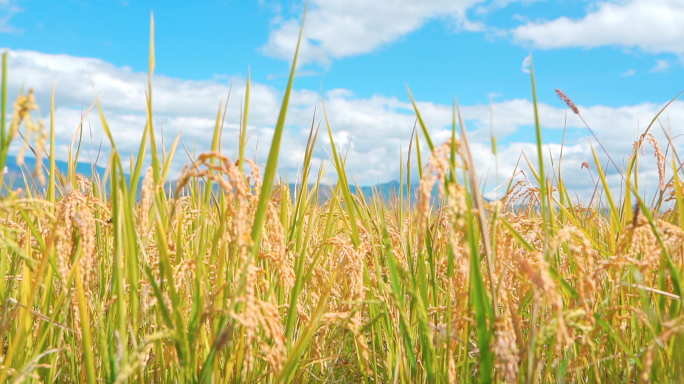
388, 190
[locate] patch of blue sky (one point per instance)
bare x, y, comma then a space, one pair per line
221, 39
194, 40
439, 65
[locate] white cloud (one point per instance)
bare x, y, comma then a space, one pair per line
526, 64
652, 25
496, 5
661, 66
340, 28
378, 126
628, 73
8, 9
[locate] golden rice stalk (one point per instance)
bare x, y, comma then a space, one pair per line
22, 113
435, 170
278, 252
146, 202
505, 346
661, 160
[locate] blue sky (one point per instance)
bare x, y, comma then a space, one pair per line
619, 60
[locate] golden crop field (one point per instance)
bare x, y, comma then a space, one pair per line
226, 275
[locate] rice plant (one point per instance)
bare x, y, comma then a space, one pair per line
226, 275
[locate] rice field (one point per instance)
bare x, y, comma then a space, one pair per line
227, 275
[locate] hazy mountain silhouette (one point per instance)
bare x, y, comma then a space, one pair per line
387, 191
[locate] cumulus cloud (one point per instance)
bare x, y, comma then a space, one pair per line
661, 66
341, 28
652, 25
496, 5
377, 128
8, 9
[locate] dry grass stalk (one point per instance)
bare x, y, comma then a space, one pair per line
567, 101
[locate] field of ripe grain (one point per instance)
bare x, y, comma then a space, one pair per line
228, 276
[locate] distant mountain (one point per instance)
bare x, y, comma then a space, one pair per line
14, 177
14, 170
387, 191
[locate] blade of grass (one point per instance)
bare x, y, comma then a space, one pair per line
542, 174
4, 135
53, 166
479, 205
272, 162
245, 115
